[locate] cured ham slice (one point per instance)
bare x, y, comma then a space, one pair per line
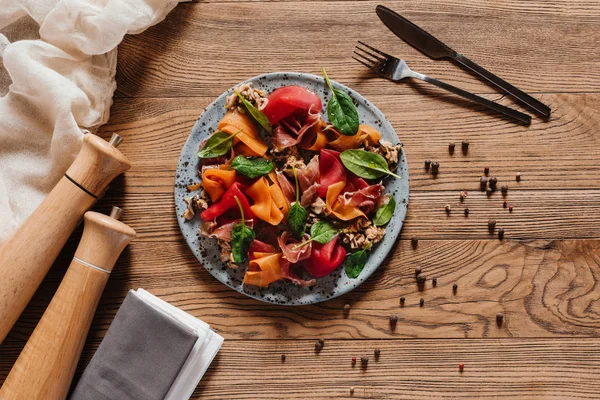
287, 244
365, 199
292, 129
309, 175
331, 170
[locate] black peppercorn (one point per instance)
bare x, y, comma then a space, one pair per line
466, 212
377, 353
499, 318
421, 302
489, 191
518, 177
414, 242
418, 271
421, 278
393, 320
454, 288
364, 361
491, 225
402, 300
319, 345
434, 282
493, 183
483, 183
465, 146
486, 170
427, 165
448, 209
505, 204
283, 358
435, 168
346, 309
504, 190
501, 233
451, 148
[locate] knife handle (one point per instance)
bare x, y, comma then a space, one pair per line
501, 84
517, 115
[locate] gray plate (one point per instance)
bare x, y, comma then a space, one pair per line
206, 249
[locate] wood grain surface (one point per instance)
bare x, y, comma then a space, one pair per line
543, 277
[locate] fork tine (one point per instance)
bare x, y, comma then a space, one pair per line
372, 63
374, 49
375, 56
362, 62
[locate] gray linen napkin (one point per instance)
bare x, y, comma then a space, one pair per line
139, 358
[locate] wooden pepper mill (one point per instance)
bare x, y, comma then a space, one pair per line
28, 255
45, 368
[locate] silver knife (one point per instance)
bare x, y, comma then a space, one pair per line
433, 48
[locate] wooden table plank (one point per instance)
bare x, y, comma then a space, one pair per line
201, 48
544, 288
407, 369
563, 153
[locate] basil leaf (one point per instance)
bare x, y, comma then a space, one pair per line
241, 239
322, 232
256, 113
296, 220
355, 263
366, 164
385, 212
341, 110
252, 167
218, 144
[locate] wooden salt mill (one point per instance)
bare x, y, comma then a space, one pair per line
28, 255
45, 368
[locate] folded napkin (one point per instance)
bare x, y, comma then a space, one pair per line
57, 75
152, 350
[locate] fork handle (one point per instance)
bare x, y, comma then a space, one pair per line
517, 115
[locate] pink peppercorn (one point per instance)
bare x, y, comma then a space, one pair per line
461, 367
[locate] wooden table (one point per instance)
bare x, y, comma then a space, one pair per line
544, 277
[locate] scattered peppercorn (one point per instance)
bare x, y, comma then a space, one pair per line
402, 300
364, 361
463, 195
504, 190
434, 282
393, 320
418, 271
461, 367
465, 146
377, 353
353, 360
466, 212
448, 209
505, 204
421, 278
351, 390
491, 225
427, 165
501, 233
319, 345
483, 183
346, 309
499, 318
486, 170
414, 242
283, 358
435, 168
421, 302
493, 183
454, 288
489, 191
510, 208
451, 148
518, 177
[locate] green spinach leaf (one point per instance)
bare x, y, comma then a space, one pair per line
256, 113
242, 237
366, 164
296, 217
355, 263
341, 110
252, 167
218, 144
385, 212
321, 232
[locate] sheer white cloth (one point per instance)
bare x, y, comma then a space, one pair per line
57, 75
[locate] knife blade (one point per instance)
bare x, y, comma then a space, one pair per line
436, 49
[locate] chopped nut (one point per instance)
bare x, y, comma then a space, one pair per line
318, 206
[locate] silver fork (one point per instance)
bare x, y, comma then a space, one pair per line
395, 69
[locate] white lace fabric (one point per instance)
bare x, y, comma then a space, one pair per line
57, 75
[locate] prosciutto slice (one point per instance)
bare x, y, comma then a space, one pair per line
365, 199
309, 195
224, 232
331, 170
287, 244
290, 130
288, 273
289, 191
309, 175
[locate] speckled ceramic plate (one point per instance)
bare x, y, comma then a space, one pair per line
206, 249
